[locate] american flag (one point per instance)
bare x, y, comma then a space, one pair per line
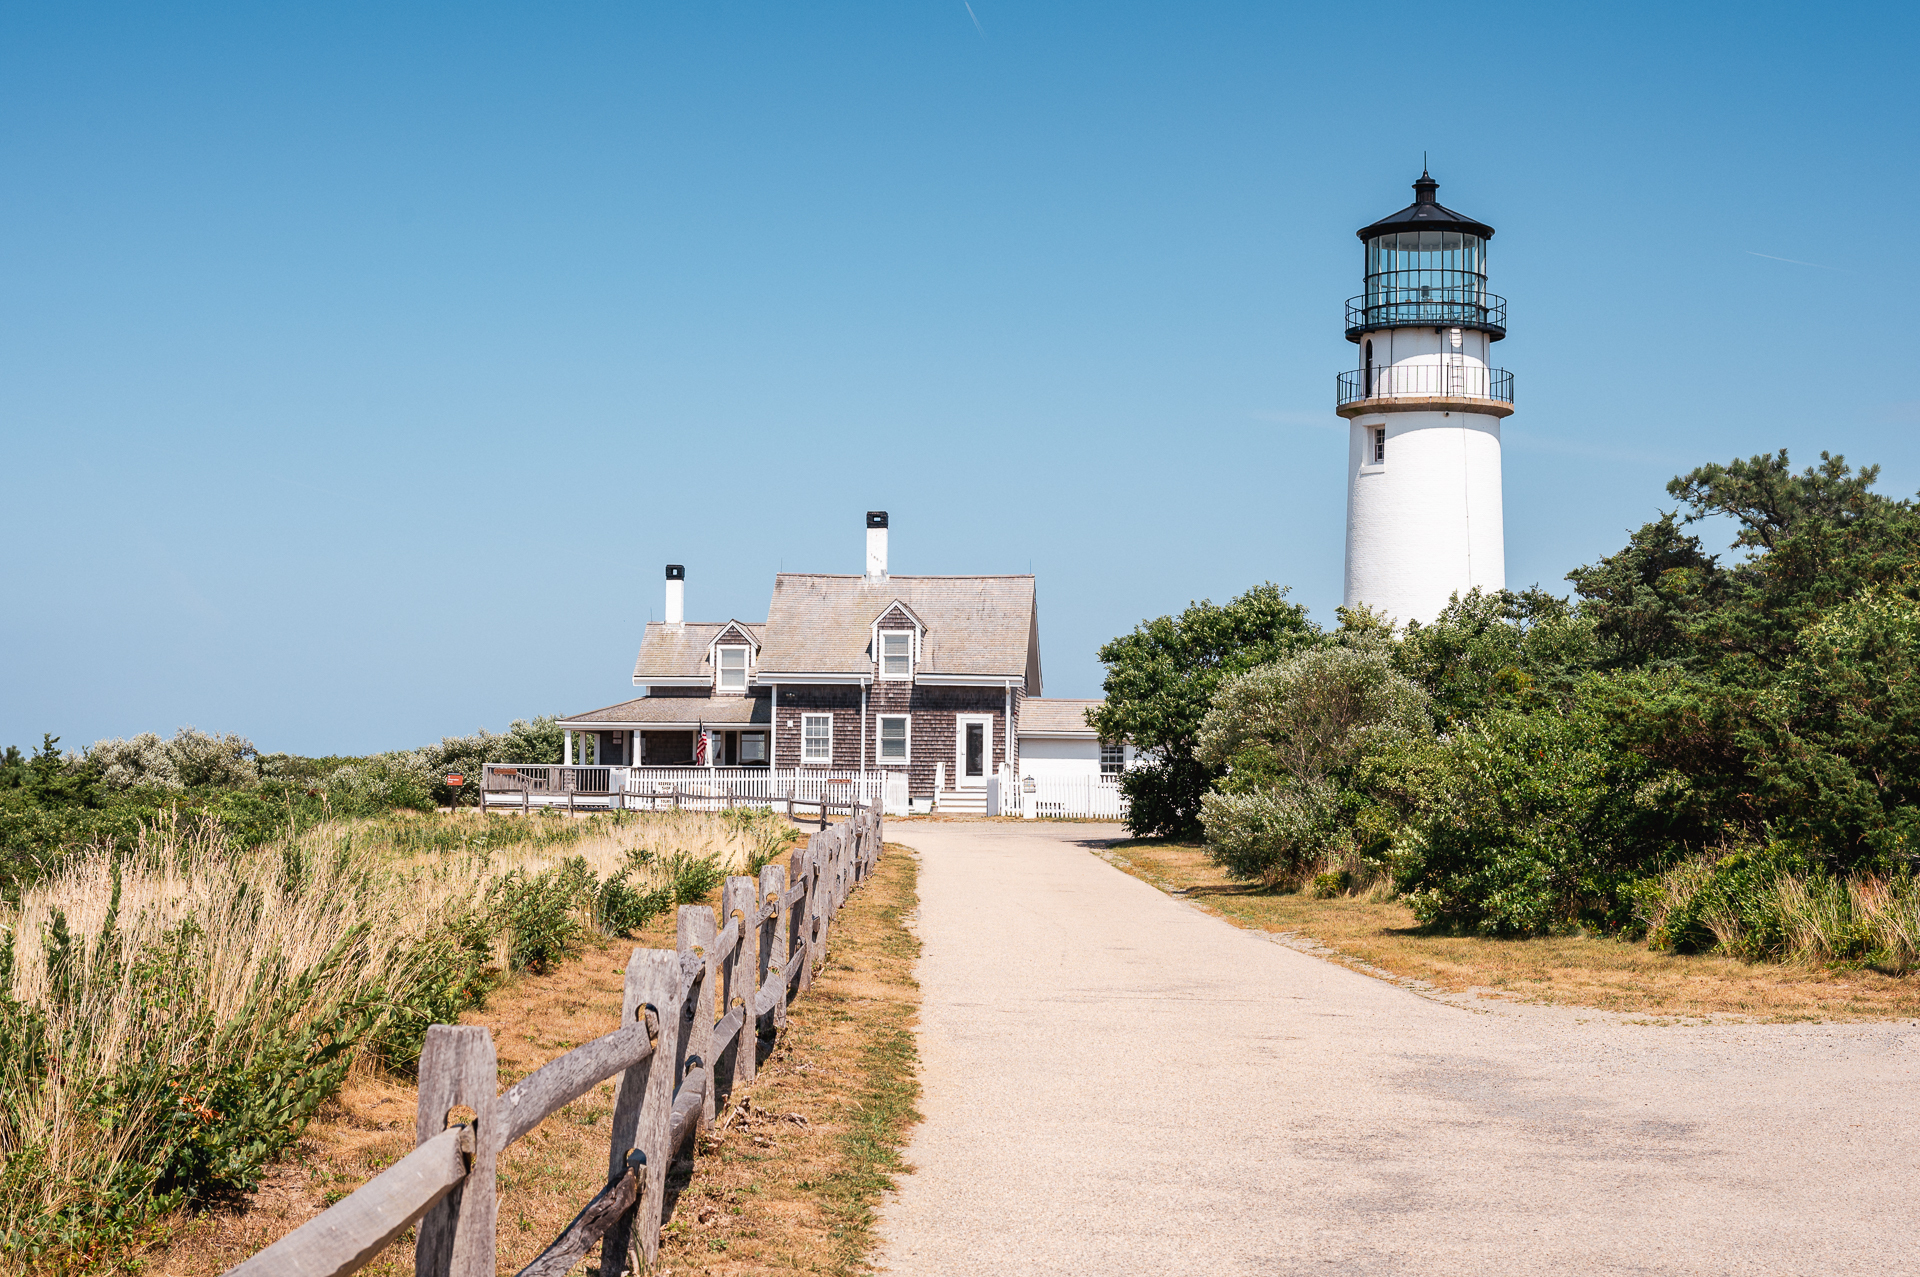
700, 748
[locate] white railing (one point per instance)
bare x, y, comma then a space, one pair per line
1067, 798
578, 788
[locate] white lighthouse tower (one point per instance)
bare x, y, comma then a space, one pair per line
1423, 410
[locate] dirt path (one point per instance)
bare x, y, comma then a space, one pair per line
1116, 1083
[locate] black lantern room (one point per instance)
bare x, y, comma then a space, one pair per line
1426, 267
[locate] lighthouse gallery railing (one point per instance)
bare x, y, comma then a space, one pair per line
1454, 379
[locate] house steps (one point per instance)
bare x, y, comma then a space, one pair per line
961, 802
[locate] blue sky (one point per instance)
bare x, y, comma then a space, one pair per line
361, 365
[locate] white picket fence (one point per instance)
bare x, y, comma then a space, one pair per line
1067, 798
578, 788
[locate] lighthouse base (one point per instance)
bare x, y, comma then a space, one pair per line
1424, 517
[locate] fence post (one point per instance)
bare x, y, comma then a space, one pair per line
642, 1108
801, 937
458, 1066
819, 907
774, 949
696, 933
742, 984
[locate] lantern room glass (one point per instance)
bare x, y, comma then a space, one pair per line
1409, 267
1421, 278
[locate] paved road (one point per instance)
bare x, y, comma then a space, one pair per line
1117, 1084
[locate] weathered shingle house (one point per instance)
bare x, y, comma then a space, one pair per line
918, 675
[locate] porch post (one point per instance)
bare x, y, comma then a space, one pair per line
566, 750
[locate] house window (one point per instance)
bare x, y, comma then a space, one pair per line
1113, 759
733, 669
1379, 445
893, 738
753, 747
816, 738
896, 655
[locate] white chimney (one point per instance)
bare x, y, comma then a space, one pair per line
676, 595
876, 545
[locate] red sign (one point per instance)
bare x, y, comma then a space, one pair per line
456, 780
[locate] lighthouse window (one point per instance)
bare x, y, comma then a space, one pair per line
1379, 445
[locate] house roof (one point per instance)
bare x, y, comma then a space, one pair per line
986, 626
1059, 717
668, 652
678, 711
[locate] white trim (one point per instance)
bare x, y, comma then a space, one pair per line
960, 778
652, 680
1035, 733
973, 680
815, 762
879, 759
688, 725
764, 678
911, 639
719, 650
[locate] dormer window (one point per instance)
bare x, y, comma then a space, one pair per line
732, 669
896, 654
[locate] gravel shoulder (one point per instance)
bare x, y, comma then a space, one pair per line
1116, 1083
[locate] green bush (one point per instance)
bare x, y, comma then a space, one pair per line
540, 913
1273, 836
691, 877
1328, 885
1537, 826
620, 909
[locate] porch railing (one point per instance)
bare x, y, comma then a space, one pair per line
579, 788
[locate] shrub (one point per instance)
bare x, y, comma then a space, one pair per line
621, 909
538, 913
1328, 885
692, 877
1272, 836
1537, 826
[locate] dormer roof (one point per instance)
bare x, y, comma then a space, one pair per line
900, 608
679, 656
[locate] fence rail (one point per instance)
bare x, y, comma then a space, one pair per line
576, 788
691, 1021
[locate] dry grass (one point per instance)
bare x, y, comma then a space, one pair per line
189, 932
1381, 936
786, 1182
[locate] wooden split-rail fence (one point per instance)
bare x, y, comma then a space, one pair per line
690, 1025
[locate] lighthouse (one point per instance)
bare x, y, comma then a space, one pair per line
1423, 407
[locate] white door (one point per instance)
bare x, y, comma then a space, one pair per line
973, 750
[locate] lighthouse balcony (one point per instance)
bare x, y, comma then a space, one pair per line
1454, 385
1427, 307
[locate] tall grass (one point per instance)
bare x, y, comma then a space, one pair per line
1751, 907
172, 1015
